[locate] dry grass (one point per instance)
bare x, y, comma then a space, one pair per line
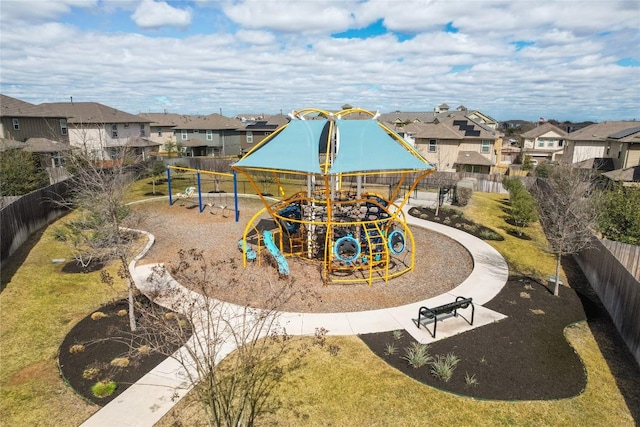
356, 388
39, 305
526, 257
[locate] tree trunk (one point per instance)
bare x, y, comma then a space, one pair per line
132, 314
556, 287
438, 201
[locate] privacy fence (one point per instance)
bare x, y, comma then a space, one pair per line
29, 213
487, 183
616, 285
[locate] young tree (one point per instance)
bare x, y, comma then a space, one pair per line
99, 196
620, 214
567, 208
20, 172
232, 390
523, 205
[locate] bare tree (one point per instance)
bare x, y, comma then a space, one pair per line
99, 195
232, 390
567, 207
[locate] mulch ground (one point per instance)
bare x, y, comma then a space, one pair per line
87, 351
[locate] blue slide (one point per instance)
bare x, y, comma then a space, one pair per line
250, 253
283, 266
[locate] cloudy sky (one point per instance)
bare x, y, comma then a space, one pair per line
516, 59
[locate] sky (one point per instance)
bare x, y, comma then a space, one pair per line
515, 59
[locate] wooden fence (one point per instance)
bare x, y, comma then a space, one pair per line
616, 287
628, 255
29, 213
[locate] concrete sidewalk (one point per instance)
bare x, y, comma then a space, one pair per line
148, 400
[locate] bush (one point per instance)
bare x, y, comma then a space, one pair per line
104, 388
464, 195
417, 355
120, 362
98, 315
90, 373
443, 366
76, 348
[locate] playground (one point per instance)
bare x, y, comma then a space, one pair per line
181, 227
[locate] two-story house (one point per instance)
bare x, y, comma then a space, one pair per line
101, 131
162, 128
618, 141
458, 144
544, 142
257, 129
212, 135
34, 128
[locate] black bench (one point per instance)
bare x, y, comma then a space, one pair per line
452, 307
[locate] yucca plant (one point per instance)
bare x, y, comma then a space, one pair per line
417, 355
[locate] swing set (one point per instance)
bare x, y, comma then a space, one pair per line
192, 190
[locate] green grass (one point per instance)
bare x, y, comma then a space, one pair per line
356, 388
527, 257
39, 305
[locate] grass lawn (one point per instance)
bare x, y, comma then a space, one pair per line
525, 256
38, 306
357, 388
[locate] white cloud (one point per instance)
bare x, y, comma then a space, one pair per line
152, 15
280, 55
13, 11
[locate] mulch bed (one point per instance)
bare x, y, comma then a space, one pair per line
522, 357
107, 338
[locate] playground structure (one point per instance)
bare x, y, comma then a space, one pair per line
355, 235
189, 191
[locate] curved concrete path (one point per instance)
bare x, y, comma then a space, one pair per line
149, 399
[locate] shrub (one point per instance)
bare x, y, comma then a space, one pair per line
98, 315
443, 366
397, 335
122, 313
470, 380
170, 315
120, 362
76, 348
144, 349
103, 388
464, 195
390, 348
417, 355
487, 234
90, 373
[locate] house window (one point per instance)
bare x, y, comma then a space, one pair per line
114, 131
16, 124
63, 126
249, 137
184, 135
196, 131
550, 143
541, 143
486, 146
433, 145
560, 142
209, 135
126, 125
267, 133
159, 130
142, 131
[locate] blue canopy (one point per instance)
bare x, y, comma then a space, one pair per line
363, 146
295, 148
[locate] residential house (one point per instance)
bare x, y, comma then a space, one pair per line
399, 119
101, 130
545, 142
161, 126
35, 129
257, 129
458, 144
619, 141
20, 120
212, 135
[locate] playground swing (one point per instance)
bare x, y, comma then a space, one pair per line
188, 192
223, 207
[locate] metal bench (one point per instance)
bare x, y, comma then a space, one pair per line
450, 308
